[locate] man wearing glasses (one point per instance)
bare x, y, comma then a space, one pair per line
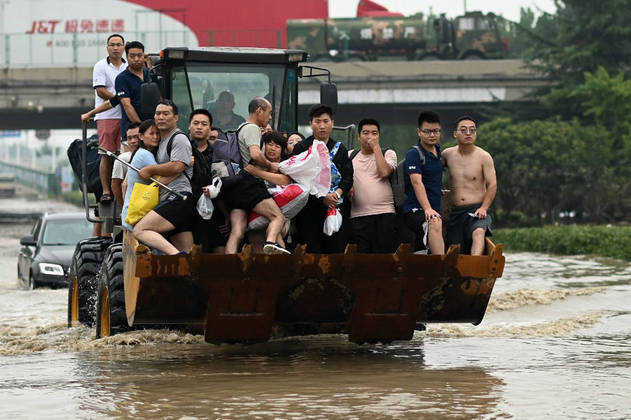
108, 123
473, 187
423, 185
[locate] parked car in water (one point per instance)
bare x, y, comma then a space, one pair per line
47, 251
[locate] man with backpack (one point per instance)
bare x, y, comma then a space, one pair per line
173, 215
250, 192
423, 186
372, 207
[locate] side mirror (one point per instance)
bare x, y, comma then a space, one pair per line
149, 98
28, 240
328, 95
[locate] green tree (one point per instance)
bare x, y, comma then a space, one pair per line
548, 167
581, 37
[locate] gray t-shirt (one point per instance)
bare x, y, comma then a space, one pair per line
249, 135
181, 151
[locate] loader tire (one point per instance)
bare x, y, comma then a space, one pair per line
111, 317
82, 282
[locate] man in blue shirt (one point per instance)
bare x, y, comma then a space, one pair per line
423, 185
128, 84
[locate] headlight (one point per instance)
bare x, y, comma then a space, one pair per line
52, 269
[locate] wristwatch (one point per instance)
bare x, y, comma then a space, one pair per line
337, 194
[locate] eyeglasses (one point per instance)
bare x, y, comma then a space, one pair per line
435, 132
465, 130
115, 45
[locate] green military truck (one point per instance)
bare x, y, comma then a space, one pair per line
471, 36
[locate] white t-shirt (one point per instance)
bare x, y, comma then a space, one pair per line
119, 170
104, 74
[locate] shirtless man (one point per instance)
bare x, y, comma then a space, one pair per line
473, 187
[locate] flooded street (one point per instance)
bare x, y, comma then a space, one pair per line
556, 342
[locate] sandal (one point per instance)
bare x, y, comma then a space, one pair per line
106, 199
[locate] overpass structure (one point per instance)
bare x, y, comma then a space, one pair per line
50, 98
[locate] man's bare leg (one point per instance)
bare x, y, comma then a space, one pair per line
105, 173
268, 208
477, 245
183, 241
435, 239
148, 231
238, 224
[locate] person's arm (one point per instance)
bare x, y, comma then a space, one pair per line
103, 93
274, 178
384, 168
167, 169
490, 180
117, 189
413, 163
103, 107
259, 158
129, 110
99, 80
300, 147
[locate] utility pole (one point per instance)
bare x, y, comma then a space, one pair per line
465, 6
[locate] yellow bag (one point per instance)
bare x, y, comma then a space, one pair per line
142, 200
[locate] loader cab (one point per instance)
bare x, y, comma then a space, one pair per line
224, 81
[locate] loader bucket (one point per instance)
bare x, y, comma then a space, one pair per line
251, 297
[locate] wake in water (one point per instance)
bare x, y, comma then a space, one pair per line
526, 297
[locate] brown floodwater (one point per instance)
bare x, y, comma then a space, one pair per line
555, 343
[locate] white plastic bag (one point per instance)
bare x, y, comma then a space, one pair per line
311, 169
333, 222
205, 207
214, 187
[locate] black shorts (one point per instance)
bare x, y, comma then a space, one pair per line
246, 194
461, 226
415, 221
375, 234
206, 232
180, 213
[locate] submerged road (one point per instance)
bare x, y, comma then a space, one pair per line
555, 343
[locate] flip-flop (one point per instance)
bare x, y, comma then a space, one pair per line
106, 199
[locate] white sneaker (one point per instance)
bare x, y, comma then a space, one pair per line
271, 248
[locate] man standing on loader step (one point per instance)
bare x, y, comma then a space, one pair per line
108, 123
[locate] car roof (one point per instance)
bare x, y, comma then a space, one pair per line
63, 216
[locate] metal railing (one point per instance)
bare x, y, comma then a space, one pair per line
43, 181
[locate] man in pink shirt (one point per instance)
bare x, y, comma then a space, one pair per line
372, 205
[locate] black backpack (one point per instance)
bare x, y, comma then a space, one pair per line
397, 178
202, 174
92, 165
226, 162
